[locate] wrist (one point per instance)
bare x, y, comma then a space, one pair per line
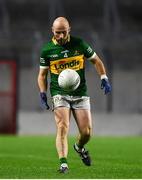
104, 76
42, 92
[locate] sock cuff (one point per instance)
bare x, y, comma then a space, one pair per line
63, 160
78, 146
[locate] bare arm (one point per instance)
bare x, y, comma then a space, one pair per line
42, 80
102, 73
99, 66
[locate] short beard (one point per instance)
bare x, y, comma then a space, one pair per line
62, 41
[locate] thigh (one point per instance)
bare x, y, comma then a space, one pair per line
80, 102
83, 118
60, 101
62, 116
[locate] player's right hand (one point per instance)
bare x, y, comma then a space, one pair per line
43, 99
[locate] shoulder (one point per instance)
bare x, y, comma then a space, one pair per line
47, 46
79, 41
76, 39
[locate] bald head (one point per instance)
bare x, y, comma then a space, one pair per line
61, 22
61, 29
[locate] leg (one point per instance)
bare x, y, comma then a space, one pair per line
62, 117
62, 114
84, 123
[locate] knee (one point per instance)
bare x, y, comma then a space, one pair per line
87, 131
62, 126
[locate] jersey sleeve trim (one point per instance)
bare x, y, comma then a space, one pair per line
93, 56
104, 76
44, 67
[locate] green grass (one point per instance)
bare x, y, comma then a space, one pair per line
35, 157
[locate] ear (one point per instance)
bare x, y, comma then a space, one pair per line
69, 29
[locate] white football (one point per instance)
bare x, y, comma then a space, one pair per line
69, 80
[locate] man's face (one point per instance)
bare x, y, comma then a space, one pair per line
61, 34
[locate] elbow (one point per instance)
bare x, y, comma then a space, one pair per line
41, 78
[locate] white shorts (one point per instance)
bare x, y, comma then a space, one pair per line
73, 102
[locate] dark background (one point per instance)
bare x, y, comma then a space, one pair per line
112, 27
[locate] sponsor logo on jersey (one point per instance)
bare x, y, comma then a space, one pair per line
65, 65
76, 53
75, 63
89, 49
65, 51
42, 60
54, 55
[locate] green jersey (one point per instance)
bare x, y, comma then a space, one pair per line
71, 55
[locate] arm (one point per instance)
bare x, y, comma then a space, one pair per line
42, 80
99, 66
90, 54
102, 73
42, 83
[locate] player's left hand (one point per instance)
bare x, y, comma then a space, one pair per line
106, 86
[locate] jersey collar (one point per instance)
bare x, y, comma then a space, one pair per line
55, 42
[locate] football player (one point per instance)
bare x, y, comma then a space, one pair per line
66, 51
